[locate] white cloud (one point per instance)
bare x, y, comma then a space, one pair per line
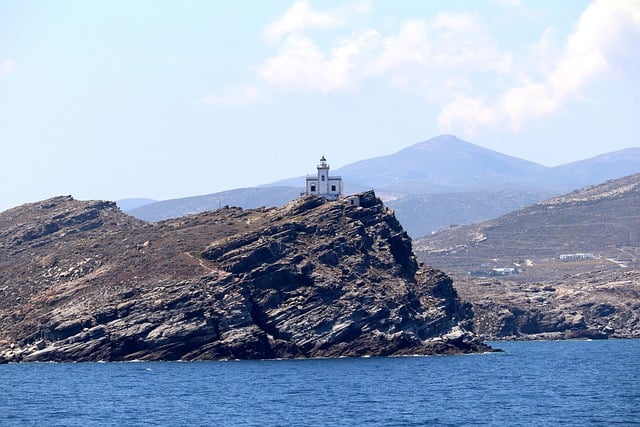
603, 40
451, 23
450, 59
515, 7
419, 50
467, 115
410, 46
300, 17
6, 67
301, 66
235, 95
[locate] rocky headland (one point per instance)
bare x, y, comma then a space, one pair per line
82, 281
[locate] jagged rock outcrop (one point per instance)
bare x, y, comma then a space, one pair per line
597, 305
83, 281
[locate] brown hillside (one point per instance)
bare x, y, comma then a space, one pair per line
576, 258
83, 281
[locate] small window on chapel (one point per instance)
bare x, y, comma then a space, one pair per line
313, 188
333, 188
322, 178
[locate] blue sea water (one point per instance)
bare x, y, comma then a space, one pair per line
566, 383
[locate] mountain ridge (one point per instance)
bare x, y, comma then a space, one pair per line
451, 162
416, 198
566, 267
593, 218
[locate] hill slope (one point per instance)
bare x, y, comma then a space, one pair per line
420, 180
602, 219
425, 214
593, 286
83, 281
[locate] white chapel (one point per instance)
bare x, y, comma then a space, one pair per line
324, 185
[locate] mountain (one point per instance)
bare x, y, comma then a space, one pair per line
247, 198
602, 219
424, 214
594, 170
82, 281
567, 264
431, 184
441, 164
129, 204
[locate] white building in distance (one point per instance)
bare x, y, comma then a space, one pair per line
323, 185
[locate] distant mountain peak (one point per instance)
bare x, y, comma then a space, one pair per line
440, 164
425, 181
440, 142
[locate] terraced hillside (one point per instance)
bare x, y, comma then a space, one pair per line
554, 269
602, 220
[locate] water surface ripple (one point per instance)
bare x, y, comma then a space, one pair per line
532, 383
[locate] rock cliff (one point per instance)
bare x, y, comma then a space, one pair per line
600, 304
82, 281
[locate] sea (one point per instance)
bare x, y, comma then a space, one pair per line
534, 383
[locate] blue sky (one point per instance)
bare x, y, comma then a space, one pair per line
166, 99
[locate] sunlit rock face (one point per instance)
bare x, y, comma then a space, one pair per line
315, 278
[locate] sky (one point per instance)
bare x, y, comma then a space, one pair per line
165, 99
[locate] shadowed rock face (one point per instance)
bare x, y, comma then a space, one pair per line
83, 281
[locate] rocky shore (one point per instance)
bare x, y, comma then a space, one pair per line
567, 267
81, 281
595, 305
